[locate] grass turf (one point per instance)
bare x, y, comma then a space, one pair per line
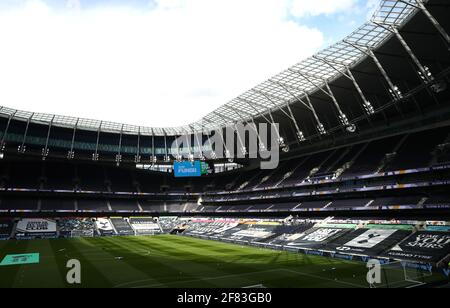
174, 261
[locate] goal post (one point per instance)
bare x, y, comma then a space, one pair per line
400, 274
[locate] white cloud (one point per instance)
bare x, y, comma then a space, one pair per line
167, 66
73, 4
302, 8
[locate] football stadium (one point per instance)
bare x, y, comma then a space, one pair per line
334, 173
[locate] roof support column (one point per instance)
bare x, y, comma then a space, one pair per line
213, 151
119, 153
137, 158
199, 144
45, 150
242, 148
319, 125
224, 149
178, 156
342, 116
424, 72
71, 153
300, 135
420, 5
153, 158
262, 146
277, 130
228, 154
394, 91
280, 140
22, 148
189, 145
5, 133
367, 106
166, 154
95, 156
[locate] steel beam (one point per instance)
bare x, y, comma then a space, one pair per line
22, 148
95, 156
394, 91
367, 106
45, 150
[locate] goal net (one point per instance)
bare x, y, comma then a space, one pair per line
400, 274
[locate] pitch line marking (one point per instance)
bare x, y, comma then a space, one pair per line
323, 278
234, 275
192, 280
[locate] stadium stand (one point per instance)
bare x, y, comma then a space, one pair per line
169, 223
6, 228
76, 227
13, 203
122, 226
92, 205
57, 205
32, 228
124, 205
104, 227
145, 226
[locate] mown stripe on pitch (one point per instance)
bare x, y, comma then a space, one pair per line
211, 248
245, 254
206, 264
278, 277
288, 260
314, 265
188, 268
252, 260
91, 276
344, 270
144, 264
161, 268
43, 275
128, 271
163, 264
61, 257
222, 246
8, 273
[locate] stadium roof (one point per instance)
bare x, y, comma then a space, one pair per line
288, 87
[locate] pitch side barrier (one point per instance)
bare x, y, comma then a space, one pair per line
427, 268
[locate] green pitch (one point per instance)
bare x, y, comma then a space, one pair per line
173, 261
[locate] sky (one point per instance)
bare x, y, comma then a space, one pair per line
158, 63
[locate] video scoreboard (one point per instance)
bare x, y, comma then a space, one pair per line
190, 169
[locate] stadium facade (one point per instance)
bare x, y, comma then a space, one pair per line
364, 171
